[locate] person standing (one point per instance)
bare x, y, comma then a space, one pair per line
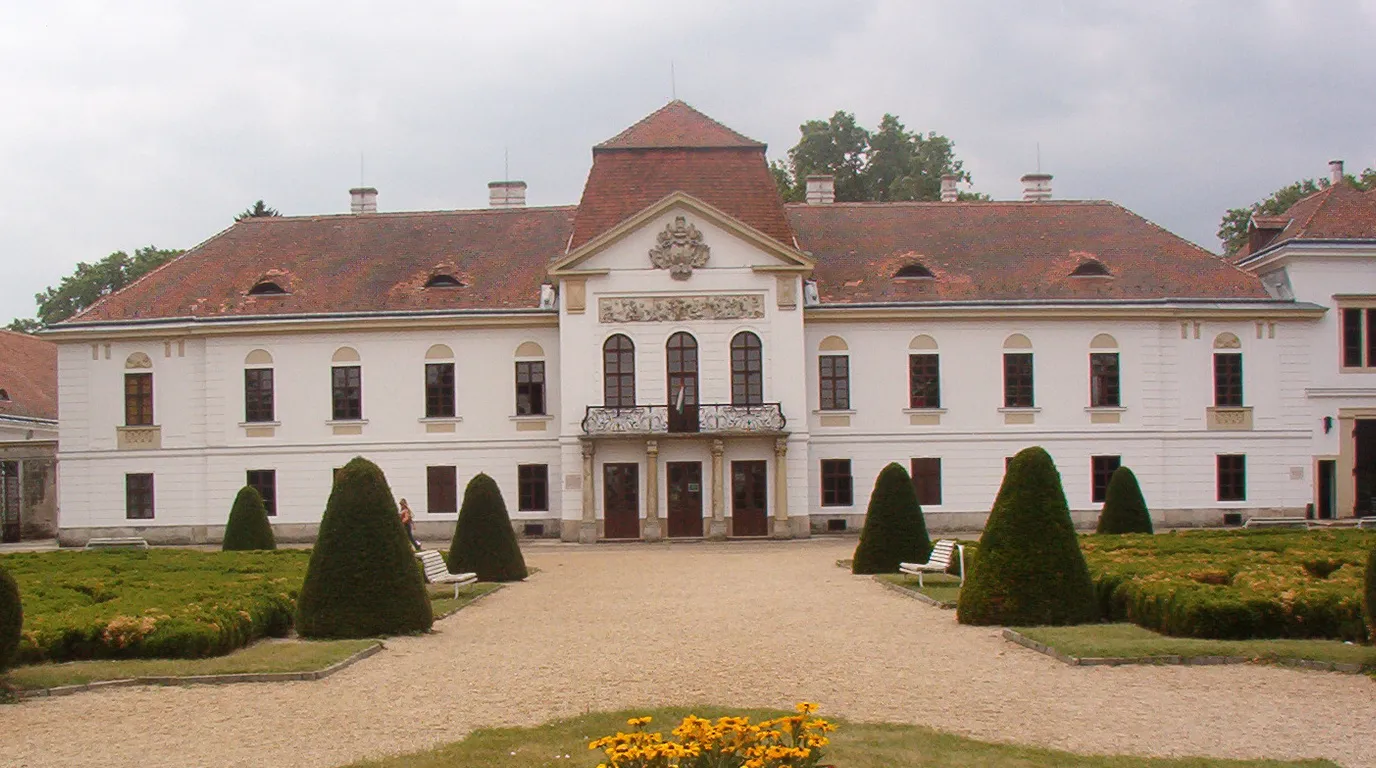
406, 520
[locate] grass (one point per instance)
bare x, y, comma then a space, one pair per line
942, 588
444, 604
1132, 641
854, 745
265, 656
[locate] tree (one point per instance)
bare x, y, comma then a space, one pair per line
1232, 229
484, 542
256, 211
1029, 570
90, 282
1125, 511
894, 531
362, 579
248, 527
11, 619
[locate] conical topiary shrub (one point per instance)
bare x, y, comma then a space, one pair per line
1030, 570
362, 579
484, 542
1369, 595
11, 619
1125, 511
894, 531
248, 526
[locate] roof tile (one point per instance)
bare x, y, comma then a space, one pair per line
28, 375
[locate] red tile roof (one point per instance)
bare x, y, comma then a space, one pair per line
1340, 212
1005, 251
353, 263
677, 125
28, 376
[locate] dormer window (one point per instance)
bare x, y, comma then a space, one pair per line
1091, 268
266, 288
443, 281
913, 270
4, 396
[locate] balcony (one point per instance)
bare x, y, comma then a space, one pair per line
704, 418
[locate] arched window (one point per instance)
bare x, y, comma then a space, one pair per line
259, 405
1227, 371
681, 363
747, 370
833, 374
1104, 390
530, 379
346, 385
138, 391
1017, 372
439, 382
618, 372
924, 373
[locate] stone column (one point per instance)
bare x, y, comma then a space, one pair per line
587, 528
716, 530
781, 528
651, 531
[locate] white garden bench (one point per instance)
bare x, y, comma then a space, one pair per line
1365, 523
1276, 522
116, 542
937, 562
436, 572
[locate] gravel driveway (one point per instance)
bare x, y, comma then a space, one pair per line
743, 624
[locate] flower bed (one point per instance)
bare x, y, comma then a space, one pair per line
155, 603
793, 741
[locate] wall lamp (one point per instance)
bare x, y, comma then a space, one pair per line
1327, 424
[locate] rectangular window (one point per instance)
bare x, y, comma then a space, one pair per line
532, 487
1232, 478
924, 381
1101, 469
1227, 379
258, 400
439, 390
1103, 380
530, 388
837, 487
138, 496
442, 489
138, 399
927, 481
1017, 380
264, 481
1371, 338
348, 392
834, 382
1352, 337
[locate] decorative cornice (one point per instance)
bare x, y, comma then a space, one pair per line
657, 309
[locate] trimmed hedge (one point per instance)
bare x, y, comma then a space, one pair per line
895, 531
1125, 511
362, 580
1030, 571
1369, 597
484, 541
11, 619
248, 527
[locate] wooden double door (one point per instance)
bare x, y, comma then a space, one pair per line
749, 498
621, 501
685, 498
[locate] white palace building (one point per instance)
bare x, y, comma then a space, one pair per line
682, 355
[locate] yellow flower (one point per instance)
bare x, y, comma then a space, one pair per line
806, 707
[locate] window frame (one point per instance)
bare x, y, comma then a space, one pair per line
532, 388
532, 487
346, 399
841, 492
747, 369
922, 475
1357, 341
1232, 488
441, 397
260, 402
442, 486
833, 388
1014, 388
1228, 384
1105, 380
618, 372
258, 475
133, 493
924, 380
138, 401
1100, 473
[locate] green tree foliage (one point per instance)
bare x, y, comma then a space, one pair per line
90, 282
484, 542
1030, 569
362, 579
1125, 511
895, 531
889, 164
248, 526
1369, 595
11, 618
256, 211
1232, 230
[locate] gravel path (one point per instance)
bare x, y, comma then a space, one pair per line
747, 624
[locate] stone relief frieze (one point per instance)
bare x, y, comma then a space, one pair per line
658, 309
679, 248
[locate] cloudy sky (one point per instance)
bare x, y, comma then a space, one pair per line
128, 123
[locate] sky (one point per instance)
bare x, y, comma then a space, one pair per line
125, 124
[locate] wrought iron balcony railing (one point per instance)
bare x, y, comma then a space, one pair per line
706, 418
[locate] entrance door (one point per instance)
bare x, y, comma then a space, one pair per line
1328, 471
681, 353
1364, 471
685, 498
9, 501
621, 501
749, 499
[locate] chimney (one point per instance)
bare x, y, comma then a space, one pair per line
821, 190
363, 200
1335, 172
1036, 187
949, 193
506, 194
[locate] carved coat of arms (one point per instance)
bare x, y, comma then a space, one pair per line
680, 248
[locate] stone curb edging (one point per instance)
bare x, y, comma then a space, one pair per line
246, 677
1193, 661
914, 594
470, 602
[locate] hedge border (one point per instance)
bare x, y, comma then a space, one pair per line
1189, 661
914, 594
227, 679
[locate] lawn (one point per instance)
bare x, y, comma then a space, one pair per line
942, 588
1132, 641
444, 604
854, 745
